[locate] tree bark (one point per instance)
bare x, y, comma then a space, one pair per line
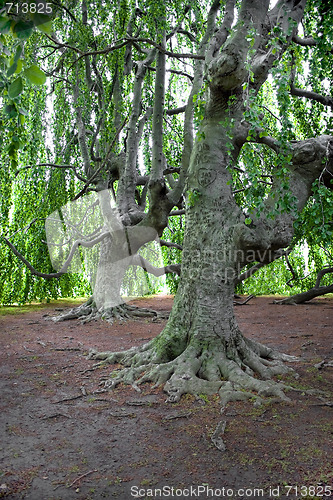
201, 349
300, 298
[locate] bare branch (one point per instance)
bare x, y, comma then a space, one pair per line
170, 244
249, 272
52, 165
58, 4
127, 182
138, 260
143, 121
175, 194
163, 50
182, 73
265, 139
305, 42
99, 170
321, 273
157, 161
63, 270
222, 33
306, 296
308, 94
177, 212
176, 111
189, 35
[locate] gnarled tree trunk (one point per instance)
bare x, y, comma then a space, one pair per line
201, 349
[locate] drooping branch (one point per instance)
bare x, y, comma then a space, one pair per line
260, 138
252, 270
61, 6
156, 271
64, 269
52, 165
249, 272
304, 42
322, 273
314, 96
170, 244
161, 49
306, 166
307, 42
300, 298
308, 94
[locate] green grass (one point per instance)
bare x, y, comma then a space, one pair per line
36, 306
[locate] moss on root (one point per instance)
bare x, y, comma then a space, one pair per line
197, 370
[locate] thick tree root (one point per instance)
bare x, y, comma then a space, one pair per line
89, 312
197, 371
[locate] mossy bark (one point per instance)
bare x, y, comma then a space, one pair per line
201, 349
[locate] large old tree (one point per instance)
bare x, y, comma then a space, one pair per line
218, 109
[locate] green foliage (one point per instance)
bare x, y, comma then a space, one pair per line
315, 223
277, 279
38, 128
35, 75
193, 196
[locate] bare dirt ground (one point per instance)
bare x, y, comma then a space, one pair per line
63, 438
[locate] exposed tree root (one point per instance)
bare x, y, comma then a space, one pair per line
202, 371
88, 312
216, 436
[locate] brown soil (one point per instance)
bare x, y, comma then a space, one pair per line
62, 437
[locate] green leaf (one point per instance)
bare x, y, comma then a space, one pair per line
4, 25
23, 112
23, 29
16, 63
263, 134
43, 23
35, 75
12, 69
15, 88
18, 53
19, 66
248, 221
10, 110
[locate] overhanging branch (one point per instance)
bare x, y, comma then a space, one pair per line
64, 269
156, 271
314, 96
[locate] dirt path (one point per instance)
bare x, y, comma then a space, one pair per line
62, 437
